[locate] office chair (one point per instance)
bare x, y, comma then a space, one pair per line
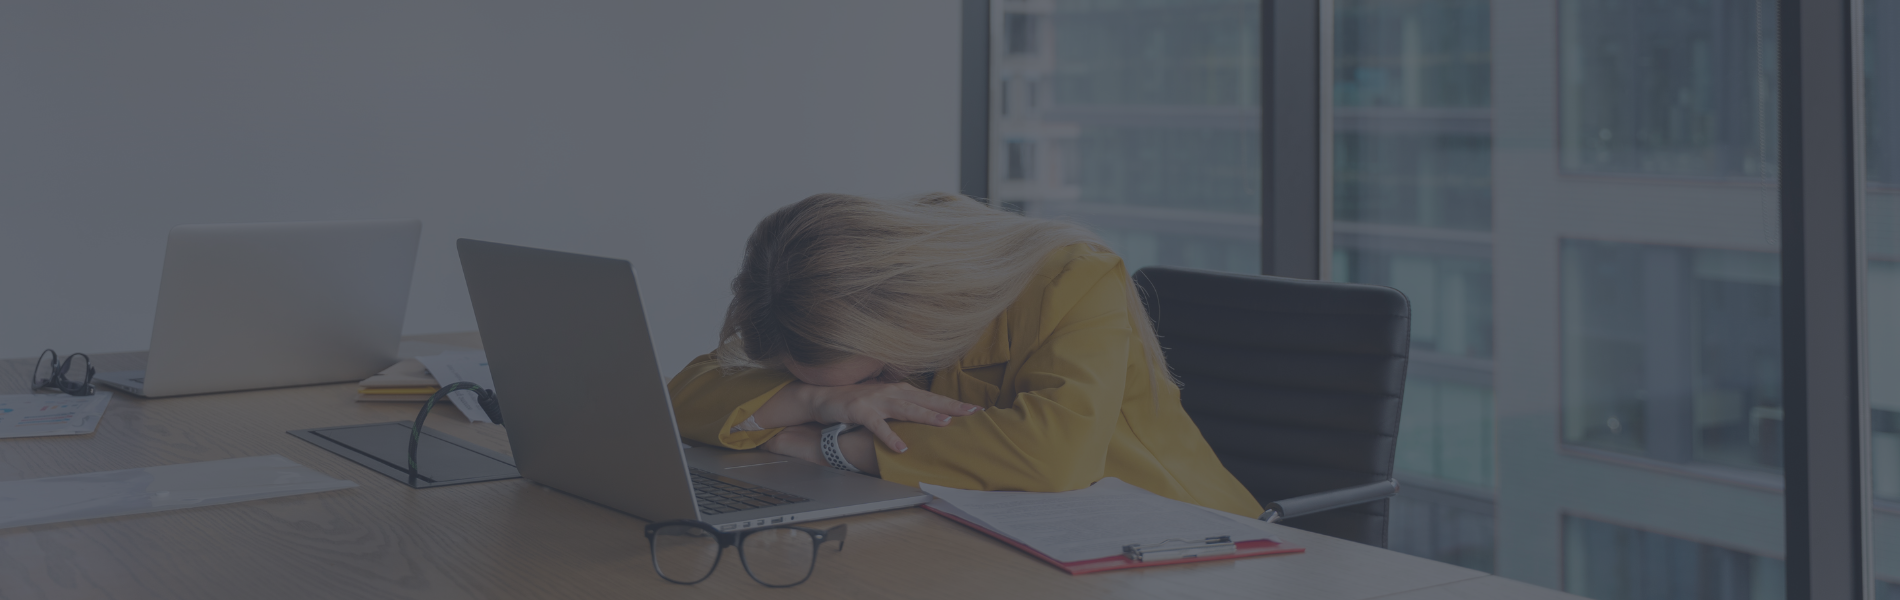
1296, 384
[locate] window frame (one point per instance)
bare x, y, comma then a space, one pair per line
1826, 457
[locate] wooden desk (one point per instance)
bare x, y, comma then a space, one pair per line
515, 539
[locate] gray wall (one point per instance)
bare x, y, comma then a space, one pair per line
657, 132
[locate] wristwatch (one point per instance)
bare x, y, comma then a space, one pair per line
828, 445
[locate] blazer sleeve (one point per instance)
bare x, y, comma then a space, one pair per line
1056, 435
708, 402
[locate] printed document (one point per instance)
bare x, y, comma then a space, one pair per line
166, 487
1094, 522
465, 365
29, 415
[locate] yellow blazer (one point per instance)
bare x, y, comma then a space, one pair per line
1066, 385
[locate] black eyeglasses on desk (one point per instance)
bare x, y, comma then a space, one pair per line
781, 556
56, 376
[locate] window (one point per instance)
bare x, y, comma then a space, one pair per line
1673, 353
1447, 526
1020, 160
1612, 562
1575, 340
1881, 282
1003, 96
1412, 204
1581, 199
1019, 33
1669, 87
1149, 117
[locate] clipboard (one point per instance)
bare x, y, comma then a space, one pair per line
1112, 563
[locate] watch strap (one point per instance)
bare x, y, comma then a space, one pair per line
828, 446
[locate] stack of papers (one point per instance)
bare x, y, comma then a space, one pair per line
406, 381
418, 378
29, 415
1085, 530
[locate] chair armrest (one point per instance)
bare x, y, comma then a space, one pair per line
1328, 500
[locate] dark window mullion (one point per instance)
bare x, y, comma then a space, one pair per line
1295, 143
1825, 454
974, 146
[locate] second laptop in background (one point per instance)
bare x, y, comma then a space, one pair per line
260, 305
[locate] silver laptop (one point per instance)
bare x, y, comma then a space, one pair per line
260, 305
587, 410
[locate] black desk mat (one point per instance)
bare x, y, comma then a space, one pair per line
441, 459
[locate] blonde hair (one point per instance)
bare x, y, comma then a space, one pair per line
910, 284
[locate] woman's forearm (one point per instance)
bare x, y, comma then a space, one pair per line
802, 441
792, 405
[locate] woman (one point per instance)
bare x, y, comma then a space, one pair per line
978, 349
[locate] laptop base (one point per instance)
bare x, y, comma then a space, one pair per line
129, 381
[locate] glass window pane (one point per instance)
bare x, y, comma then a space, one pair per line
1604, 560
1579, 198
1140, 119
1675, 88
1881, 285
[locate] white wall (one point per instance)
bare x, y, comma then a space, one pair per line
654, 131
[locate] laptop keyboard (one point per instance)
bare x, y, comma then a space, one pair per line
719, 494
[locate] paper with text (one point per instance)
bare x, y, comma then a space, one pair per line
29, 415
165, 487
1094, 522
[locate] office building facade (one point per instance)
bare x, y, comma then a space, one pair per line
1580, 200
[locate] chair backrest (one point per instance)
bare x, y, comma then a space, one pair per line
1295, 383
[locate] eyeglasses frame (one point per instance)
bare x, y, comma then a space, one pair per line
737, 538
56, 380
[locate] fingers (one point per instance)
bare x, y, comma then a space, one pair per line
884, 434
924, 407
918, 414
866, 404
944, 405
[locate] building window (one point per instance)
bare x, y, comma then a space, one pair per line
1449, 287
1412, 195
1669, 87
1019, 160
1437, 179
1019, 33
1451, 527
1672, 353
1883, 381
1145, 121
1002, 96
1612, 562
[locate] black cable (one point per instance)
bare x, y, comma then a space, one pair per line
484, 397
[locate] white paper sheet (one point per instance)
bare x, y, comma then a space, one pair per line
1094, 522
465, 365
133, 491
28, 415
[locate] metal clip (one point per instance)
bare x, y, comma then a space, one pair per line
1173, 549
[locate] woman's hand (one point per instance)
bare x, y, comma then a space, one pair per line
870, 404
